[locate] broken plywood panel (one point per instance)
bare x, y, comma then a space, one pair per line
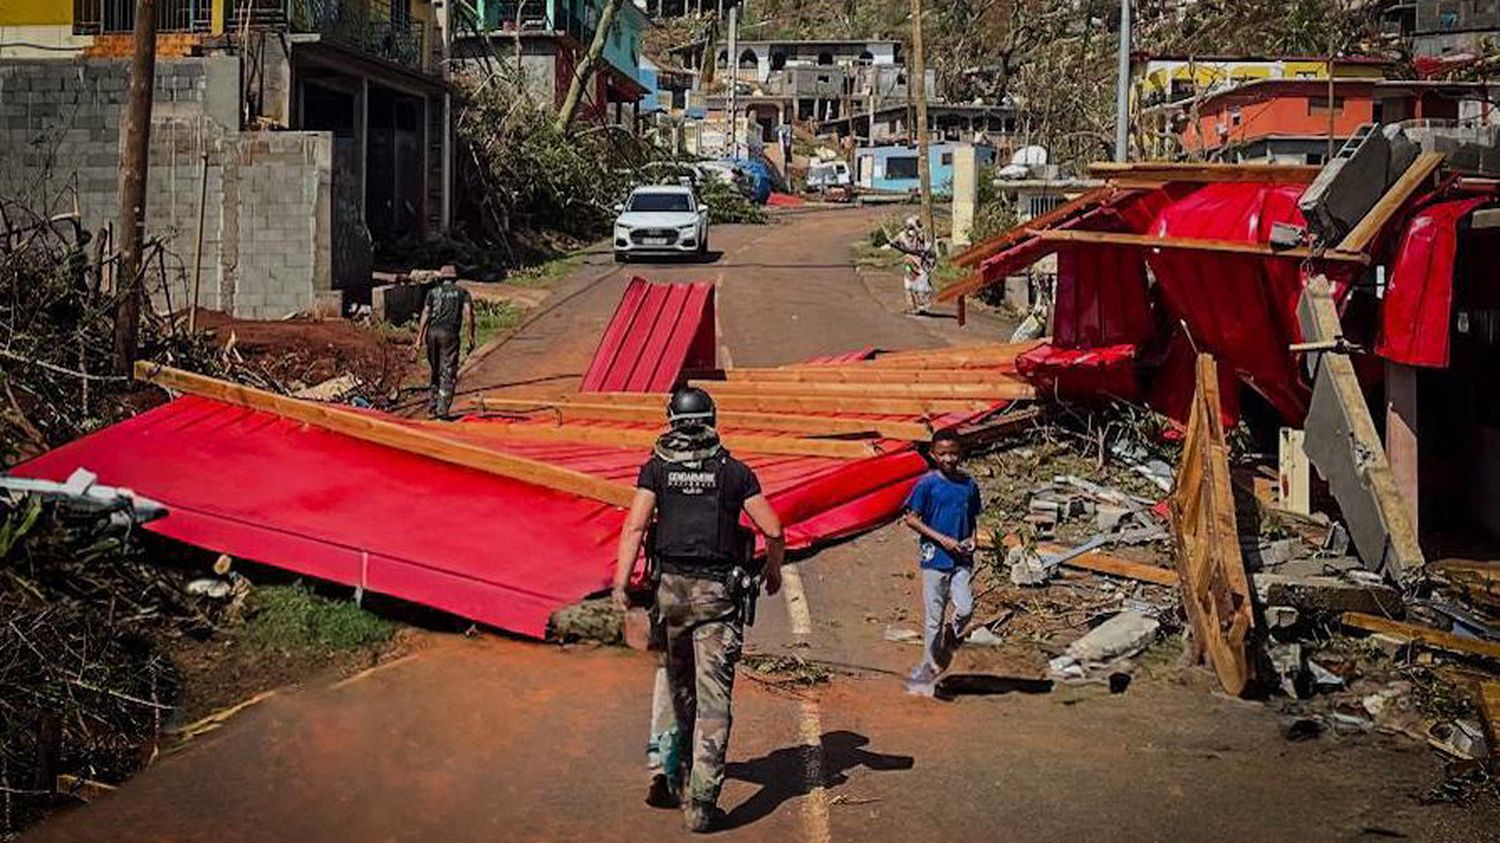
1343, 445
1215, 589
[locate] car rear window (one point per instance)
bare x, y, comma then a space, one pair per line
660, 202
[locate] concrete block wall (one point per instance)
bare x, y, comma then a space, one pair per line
267, 219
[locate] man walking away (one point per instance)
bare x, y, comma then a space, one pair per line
697, 492
447, 309
943, 510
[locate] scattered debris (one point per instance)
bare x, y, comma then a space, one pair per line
1122, 636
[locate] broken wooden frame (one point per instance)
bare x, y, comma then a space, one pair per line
1215, 589
1237, 247
1424, 634
796, 403
369, 428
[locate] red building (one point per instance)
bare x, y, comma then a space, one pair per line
1289, 120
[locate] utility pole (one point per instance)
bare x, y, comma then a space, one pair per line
919, 93
733, 66
1122, 88
135, 144
1332, 125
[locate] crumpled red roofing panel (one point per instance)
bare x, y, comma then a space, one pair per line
1418, 308
494, 550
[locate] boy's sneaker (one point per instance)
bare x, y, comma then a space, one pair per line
661, 794
703, 817
920, 688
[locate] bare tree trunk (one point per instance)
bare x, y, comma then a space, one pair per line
135, 142
584, 72
919, 94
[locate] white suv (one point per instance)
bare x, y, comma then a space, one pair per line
661, 219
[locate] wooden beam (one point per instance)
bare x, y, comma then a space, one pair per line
998, 389
793, 403
368, 427
1165, 171
1094, 561
996, 351
848, 449
642, 413
1144, 241
980, 252
872, 376
1425, 634
1421, 171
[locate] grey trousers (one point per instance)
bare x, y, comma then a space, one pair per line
442, 361
939, 589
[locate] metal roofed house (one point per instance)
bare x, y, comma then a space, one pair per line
894, 168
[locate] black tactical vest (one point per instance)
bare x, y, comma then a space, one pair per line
697, 524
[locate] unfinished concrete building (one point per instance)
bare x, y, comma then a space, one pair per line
311, 128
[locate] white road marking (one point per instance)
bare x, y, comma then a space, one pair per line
796, 600
809, 719
815, 806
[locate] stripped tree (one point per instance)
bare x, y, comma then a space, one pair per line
583, 73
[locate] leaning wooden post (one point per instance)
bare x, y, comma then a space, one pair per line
135, 144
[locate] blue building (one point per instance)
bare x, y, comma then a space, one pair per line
894, 168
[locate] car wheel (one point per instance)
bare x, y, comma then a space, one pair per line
621, 257
703, 244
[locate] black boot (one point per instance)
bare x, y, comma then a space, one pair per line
661, 794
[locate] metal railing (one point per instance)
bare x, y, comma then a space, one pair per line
382, 27
101, 17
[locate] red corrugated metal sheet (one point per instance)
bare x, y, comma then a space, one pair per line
1418, 308
657, 331
487, 548
1103, 372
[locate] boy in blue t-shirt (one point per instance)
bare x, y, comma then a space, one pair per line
943, 509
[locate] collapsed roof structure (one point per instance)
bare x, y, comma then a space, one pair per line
513, 513
1285, 274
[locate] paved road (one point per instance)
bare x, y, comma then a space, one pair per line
493, 739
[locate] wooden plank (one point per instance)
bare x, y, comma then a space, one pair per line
1144, 241
1166, 171
980, 252
880, 406
986, 431
1419, 174
926, 374
1425, 634
371, 428
1211, 573
644, 413
999, 389
848, 449
1095, 561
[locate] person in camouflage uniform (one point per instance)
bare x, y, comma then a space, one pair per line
447, 309
697, 492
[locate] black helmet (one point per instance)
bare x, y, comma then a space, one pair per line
691, 406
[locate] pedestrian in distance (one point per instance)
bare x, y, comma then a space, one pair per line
447, 310
943, 510
706, 591
921, 259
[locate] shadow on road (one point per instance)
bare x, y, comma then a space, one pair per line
782, 774
710, 256
985, 685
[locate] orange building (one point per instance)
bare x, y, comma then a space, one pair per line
1291, 120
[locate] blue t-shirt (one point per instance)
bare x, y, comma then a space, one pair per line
948, 506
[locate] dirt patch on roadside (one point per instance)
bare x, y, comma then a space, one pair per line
298, 353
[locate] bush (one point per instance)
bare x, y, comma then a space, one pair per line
728, 205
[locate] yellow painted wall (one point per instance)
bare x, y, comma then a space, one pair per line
36, 12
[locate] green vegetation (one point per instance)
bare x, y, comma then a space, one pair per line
546, 273
492, 318
294, 618
728, 205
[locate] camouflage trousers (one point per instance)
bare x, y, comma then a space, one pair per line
704, 635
